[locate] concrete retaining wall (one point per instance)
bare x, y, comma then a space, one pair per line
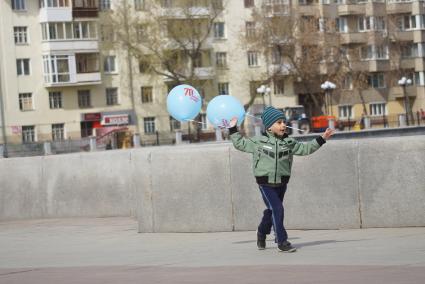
198, 188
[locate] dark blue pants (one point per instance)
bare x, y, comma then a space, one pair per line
273, 215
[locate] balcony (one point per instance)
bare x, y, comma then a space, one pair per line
71, 70
280, 69
68, 45
399, 8
354, 37
411, 91
55, 14
355, 9
402, 36
204, 73
419, 64
85, 9
418, 35
185, 13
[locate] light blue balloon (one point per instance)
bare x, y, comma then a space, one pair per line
222, 109
184, 102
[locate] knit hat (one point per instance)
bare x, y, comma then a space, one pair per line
271, 115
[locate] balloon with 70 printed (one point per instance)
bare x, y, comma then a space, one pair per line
184, 102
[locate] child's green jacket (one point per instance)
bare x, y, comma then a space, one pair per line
272, 156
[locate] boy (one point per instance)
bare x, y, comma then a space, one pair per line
272, 161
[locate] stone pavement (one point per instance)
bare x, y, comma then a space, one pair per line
109, 250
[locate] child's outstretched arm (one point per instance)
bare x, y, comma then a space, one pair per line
328, 133
240, 142
302, 149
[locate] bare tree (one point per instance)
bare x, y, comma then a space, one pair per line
174, 42
303, 48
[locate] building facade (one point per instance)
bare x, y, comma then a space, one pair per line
61, 78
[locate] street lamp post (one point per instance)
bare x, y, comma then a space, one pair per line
403, 82
265, 91
328, 87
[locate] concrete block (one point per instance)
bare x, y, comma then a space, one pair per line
323, 190
247, 201
392, 181
141, 182
191, 189
20, 194
88, 185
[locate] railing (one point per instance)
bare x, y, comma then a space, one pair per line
193, 136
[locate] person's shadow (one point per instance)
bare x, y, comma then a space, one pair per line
305, 244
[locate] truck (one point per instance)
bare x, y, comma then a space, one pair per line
296, 117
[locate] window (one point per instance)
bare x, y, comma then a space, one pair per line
248, 3
379, 23
18, 5
376, 80
166, 3
341, 25
87, 62
277, 55
109, 64
217, 4
250, 29
219, 30
174, 124
54, 3
406, 22
56, 68
374, 52
407, 50
377, 109
364, 23
253, 86
23, 66
107, 33
55, 100
111, 96
204, 121
419, 78
345, 111
28, 133
381, 52
58, 132
223, 88
139, 4
144, 65
347, 83
21, 36
147, 94
25, 101
252, 58
221, 59
279, 86
149, 123
105, 4
84, 100
69, 31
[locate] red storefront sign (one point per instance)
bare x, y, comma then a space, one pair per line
118, 119
92, 116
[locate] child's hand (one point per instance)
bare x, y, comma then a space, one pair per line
328, 133
233, 122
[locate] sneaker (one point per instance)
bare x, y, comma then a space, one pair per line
286, 247
261, 241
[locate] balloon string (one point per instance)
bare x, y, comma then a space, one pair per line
195, 121
261, 119
247, 113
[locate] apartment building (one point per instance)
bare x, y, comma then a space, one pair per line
61, 78
383, 39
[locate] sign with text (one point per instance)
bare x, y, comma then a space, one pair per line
92, 116
117, 119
